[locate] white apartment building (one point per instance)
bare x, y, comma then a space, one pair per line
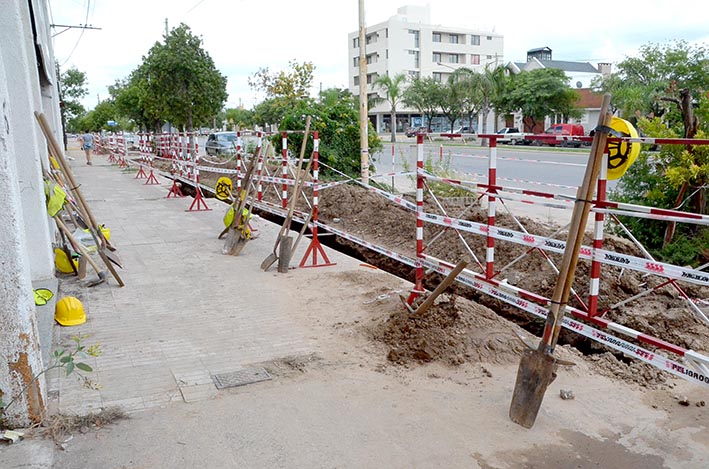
408, 43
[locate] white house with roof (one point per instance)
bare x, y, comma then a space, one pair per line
581, 75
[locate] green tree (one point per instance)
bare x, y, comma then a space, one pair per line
283, 90
336, 118
293, 84
182, 81
239, 116
660, 70
668, 81
134, 102
393, 88
469, 84
72, 87
452, 100
424, 95
98, 117
538, 94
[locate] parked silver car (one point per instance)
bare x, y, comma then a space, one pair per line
221, 143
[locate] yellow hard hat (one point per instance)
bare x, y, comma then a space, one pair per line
61, 261
622, 154
104, 229
69, 312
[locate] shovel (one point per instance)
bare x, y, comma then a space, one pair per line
537, 367
84, 253
273, 257
82, 207
236, 241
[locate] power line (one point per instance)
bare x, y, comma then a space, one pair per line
88, 6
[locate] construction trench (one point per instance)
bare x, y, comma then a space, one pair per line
451, 331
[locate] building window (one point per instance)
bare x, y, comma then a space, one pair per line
417, 36
475, 59
453, 39
453, 59
474, 40
489, 38
386, 32
414, 75
436, 57
356, 80
436, 37
489, 57
417, 60
371, 78
387, 53
355, 43
438, 76
372, 38
372, 59
355, 62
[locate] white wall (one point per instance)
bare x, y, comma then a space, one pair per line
25, 236
25, 97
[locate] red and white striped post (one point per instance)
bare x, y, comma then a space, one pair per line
595, 277
284, 171
492, 181
418, 287
170, 143
315, 247
143, 157
259, 168
149, 154
111, 149
238, 162
198, 200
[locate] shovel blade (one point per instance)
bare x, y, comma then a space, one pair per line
536, 372
113, 257
268, 262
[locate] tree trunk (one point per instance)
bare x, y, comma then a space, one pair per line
393, 125
484, 113
689, 120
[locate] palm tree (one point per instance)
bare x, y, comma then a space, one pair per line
483, 89
393, 92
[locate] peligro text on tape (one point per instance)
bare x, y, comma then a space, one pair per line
585, 252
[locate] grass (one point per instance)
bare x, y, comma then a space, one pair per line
58, 427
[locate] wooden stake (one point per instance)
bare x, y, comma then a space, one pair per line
537, 368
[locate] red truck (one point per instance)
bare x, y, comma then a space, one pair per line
570, 130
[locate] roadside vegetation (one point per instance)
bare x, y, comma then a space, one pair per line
663, 91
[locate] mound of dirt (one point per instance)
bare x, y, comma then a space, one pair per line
453, 331
638, 372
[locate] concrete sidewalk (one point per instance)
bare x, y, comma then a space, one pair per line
187, 311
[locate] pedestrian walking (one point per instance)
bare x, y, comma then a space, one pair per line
87, 144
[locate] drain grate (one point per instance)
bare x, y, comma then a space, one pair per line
240, 377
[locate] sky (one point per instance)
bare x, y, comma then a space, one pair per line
242, 36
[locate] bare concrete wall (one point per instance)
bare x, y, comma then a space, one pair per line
20, 359
25, 233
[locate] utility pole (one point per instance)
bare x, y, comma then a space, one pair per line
165, 28
363, 107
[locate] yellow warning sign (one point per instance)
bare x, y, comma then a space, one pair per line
223, 188
622, 154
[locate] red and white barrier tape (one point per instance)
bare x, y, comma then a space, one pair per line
585, 252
